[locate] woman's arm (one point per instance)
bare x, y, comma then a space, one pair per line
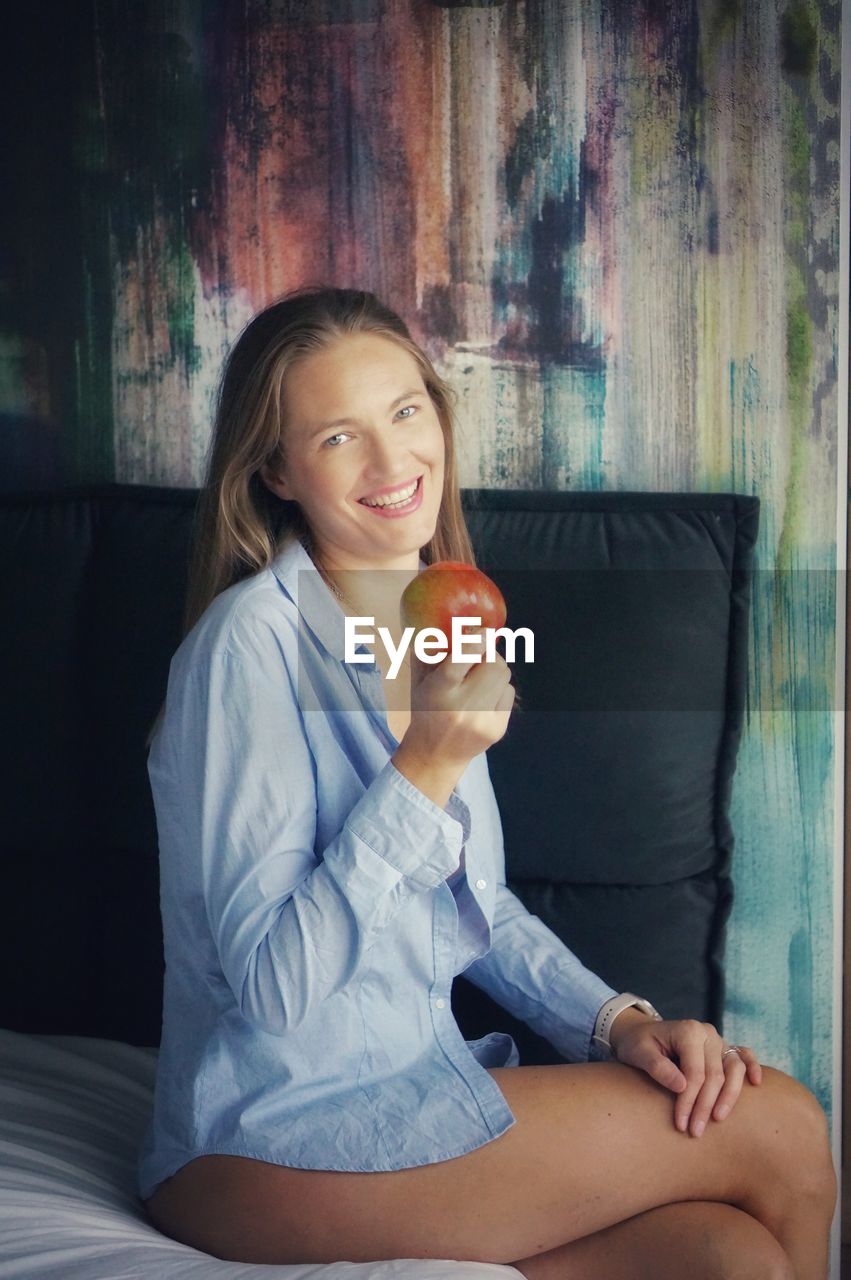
528, 969
532, 974
236, 798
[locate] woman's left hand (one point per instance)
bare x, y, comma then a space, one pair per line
691, 1059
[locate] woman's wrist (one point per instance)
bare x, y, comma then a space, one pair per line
436, 780
622, 1024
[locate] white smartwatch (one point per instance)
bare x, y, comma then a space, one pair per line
611, 1009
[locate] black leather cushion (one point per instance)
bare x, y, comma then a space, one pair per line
613, 780
614, 777
92, 587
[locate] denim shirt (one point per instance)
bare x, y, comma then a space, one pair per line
317, 905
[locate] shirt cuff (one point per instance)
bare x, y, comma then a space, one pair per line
581, 995
410, 832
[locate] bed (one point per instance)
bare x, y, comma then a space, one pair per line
72, 1111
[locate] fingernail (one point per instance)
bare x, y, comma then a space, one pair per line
722, 1112
698, 1128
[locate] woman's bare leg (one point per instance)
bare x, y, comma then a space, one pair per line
698, 1240
593, 1145
773, 1162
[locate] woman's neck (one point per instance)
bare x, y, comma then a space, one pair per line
367, 591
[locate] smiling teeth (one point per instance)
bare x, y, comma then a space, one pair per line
390, 499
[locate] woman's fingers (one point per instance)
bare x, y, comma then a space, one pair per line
692, 1060
458, 708
506, 698
690, 1046
738, 1066
734, 1078
708, 1079
751, 1061
740, 1055
724, 1074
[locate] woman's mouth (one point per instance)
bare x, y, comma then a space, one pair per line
399, 503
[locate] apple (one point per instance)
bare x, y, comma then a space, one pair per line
451, 589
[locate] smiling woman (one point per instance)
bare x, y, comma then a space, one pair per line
380, 460
324, 878
243, 517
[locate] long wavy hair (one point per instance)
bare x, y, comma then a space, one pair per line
240, 525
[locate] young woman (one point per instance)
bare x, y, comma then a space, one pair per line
331, 856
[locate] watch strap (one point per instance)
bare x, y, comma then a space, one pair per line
611, 1009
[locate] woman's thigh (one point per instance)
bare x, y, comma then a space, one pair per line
593, 1144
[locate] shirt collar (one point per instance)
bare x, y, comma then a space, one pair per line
317, 605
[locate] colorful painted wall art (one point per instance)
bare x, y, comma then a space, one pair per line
616, 229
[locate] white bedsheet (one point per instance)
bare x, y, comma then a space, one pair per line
72, 1111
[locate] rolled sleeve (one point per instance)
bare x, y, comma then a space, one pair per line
409, 831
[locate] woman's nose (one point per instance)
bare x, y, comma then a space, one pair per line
387, 460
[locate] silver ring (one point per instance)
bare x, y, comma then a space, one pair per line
734, 1048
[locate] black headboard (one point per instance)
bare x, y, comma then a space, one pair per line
613, 780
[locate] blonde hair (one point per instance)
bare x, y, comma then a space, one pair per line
240, 525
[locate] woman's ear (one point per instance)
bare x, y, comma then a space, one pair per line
277, 483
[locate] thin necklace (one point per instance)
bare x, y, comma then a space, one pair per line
406, 660
335, 591
323, 572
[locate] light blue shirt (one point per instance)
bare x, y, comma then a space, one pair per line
311, 919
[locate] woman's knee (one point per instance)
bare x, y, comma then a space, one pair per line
773, 1265
799, 1139
703, 1240
748, 1251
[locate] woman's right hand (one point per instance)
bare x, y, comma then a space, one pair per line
458, 710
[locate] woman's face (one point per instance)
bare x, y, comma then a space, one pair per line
359, 428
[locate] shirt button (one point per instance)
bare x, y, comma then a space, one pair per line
481, 884
440, 1003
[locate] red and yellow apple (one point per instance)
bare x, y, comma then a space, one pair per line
451, 589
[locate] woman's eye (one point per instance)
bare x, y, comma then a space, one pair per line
405, 413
